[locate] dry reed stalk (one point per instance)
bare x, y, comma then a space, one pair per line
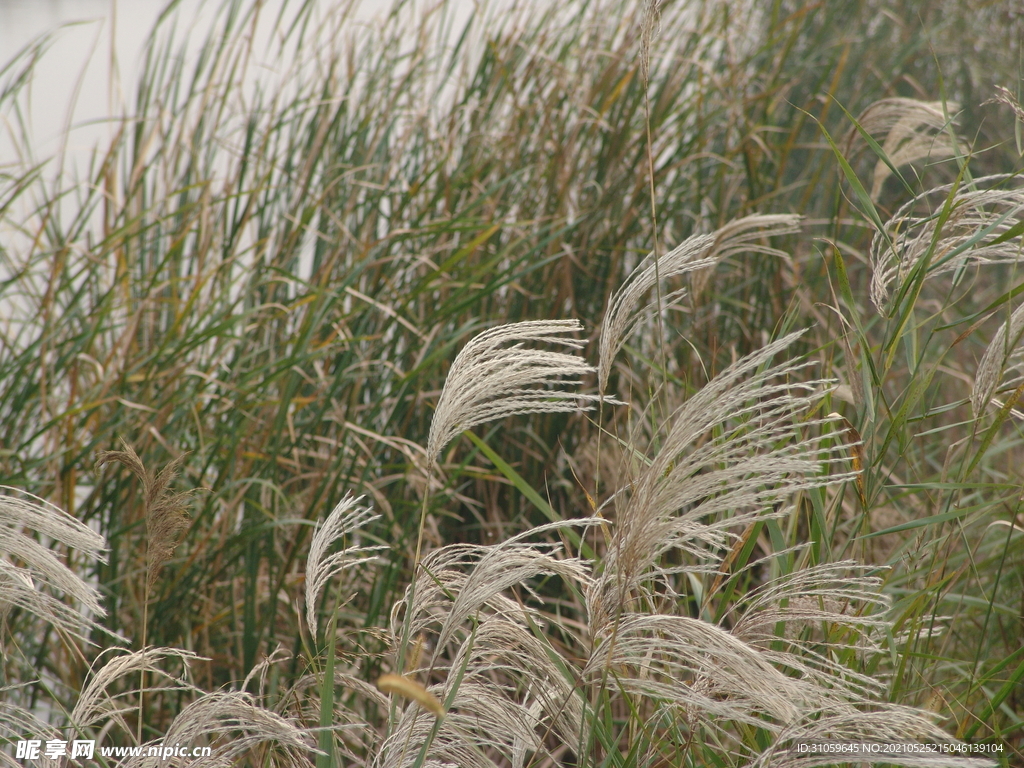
166, 521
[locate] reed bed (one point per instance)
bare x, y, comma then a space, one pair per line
623, 384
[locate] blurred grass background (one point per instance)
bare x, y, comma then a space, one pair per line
270, 268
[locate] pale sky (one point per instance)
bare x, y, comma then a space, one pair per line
79, 58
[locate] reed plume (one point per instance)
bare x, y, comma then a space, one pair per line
166, 516
490, 380
100, 706
913, 129
1002, 365
347, 517
232, 723
731, 455
813, 604
240, 732
1004, 96
626, 312
977, 226
502, 684
29, 571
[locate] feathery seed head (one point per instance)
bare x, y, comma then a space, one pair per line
26, 586
698, 252
914, 130
490, 380
1005, 355
166, 517
346, 517
696, 492
1003, 96
96, 703
979, 229
503, 680
237, 726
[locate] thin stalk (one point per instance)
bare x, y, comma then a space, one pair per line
407, 623
142, 671
645, 64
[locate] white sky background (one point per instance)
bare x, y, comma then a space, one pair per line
80, 56
74, 106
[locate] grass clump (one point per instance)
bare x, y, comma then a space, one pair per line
773, 497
